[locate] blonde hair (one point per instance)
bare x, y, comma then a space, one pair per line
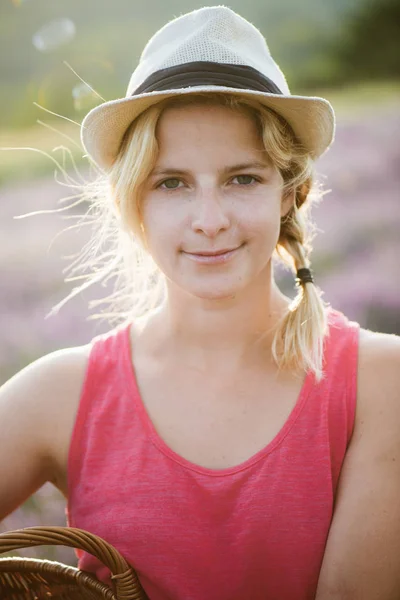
117, 248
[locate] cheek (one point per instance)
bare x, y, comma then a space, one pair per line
263, 220
163, 230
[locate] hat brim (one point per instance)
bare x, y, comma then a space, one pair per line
311, 118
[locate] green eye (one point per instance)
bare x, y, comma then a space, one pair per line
244, 179
168, 181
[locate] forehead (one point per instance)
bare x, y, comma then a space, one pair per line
207, 125
195, 110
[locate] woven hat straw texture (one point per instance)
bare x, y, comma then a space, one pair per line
217, 37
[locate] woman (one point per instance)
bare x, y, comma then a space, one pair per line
231, 442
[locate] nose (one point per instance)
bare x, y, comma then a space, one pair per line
210, 213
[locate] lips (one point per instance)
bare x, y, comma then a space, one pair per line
216, 253
219, 257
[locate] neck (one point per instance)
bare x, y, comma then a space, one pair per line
221, 335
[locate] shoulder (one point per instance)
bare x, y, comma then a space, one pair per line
377, 418
51, 370
39, 402
366, 516
376, 345
378, 371
47, 391
377, 355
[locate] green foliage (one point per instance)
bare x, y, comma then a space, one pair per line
369, 47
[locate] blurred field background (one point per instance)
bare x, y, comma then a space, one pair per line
346, 51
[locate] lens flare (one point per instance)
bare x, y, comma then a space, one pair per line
54, 34
84, 97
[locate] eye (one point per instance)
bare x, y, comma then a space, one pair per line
165, 184
244, 179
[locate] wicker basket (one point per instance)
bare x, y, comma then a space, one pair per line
35, 579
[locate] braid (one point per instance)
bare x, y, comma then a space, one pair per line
298, 342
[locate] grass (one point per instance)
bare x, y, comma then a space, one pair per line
29, 162
23, 165
361, 98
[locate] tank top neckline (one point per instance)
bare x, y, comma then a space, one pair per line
134, 392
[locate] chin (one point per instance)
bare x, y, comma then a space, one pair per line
215, 291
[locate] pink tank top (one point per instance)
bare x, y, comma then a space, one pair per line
257, 530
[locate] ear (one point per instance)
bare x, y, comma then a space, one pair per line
287, 202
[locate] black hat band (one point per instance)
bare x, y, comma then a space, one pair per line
207, 73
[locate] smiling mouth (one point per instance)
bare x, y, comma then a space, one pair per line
217, 253
215, 258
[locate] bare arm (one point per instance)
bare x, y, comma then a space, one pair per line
37, 409
362, 557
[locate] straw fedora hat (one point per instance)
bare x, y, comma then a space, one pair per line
212, 49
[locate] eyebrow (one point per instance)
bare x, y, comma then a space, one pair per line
225, 171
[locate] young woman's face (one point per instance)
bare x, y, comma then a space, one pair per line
213, 188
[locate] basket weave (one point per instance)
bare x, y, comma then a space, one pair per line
36, 579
